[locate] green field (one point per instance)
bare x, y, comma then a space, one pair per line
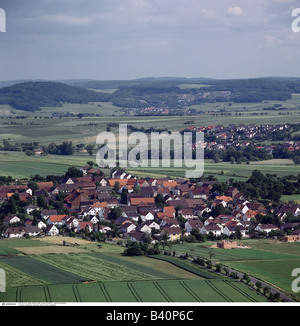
41, 127
267, 260
189, 291
18, 165
226, 170
295, 198
101, 276
276, 272
104, 275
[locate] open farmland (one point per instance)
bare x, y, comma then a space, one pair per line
226, 170
93, 268
45, 271
18, 165
40, 270
295, 198
189, 291
267, 260
43, 128
98, 276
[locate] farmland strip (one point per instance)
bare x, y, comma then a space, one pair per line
18, 295
47, 294
188, 267
186, 287
76, 293
162, 292
134, 293
105, 292
219, 291
240, 291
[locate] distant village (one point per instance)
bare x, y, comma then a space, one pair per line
243, 135
123, 207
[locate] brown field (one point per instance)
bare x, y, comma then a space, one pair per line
60, 240
50, 250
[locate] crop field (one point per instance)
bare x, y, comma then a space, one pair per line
41, 270
41, 127
295, 198
265, 259
93, 268
104, 275
18, 165
276, 272
102, 271
148, 292
236, 254
9, 246
17, 278
160, 269
225, 170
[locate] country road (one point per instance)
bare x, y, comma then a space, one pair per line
253, 280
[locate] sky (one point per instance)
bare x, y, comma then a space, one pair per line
129, 39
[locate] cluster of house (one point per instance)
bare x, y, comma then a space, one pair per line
89, 200
239, 131
241, 135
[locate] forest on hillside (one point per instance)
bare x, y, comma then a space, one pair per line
152, 92
31, 96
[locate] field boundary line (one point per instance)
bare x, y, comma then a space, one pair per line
105, 292
162, 292
191, 292
18, 295
133, 291
76, 293
231, 283
224, 296
47, 293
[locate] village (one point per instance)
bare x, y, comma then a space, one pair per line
122, 206
252, 135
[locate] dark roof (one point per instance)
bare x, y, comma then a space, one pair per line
137, 235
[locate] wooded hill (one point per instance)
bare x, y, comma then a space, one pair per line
148, 92
31, 96
167, 92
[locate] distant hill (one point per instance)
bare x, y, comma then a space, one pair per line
167, 91
31, 96
164, 92
141, 82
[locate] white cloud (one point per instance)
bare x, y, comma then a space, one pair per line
64, 19
123, 38
235, 11
284, 1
